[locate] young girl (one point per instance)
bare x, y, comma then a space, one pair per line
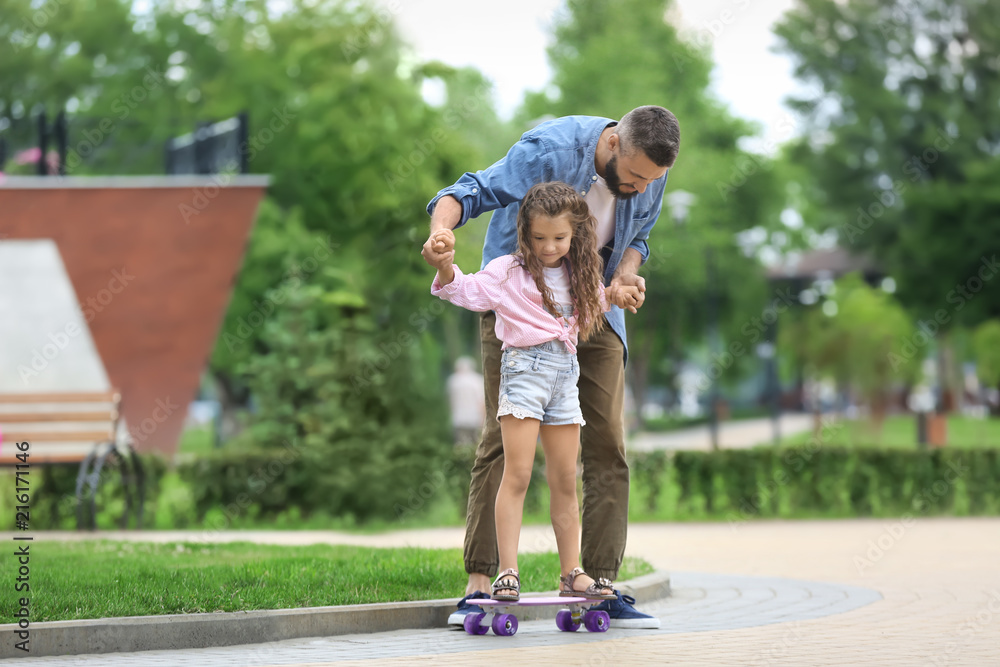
546, 296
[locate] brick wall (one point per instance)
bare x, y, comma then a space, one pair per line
154, 286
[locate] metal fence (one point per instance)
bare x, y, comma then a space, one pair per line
211, 149
33, 145
84, 145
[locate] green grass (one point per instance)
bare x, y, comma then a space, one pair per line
99, 579
197, 440
900, 432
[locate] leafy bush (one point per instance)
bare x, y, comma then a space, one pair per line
347, 421
813, 481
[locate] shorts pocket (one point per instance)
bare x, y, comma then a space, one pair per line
515, 363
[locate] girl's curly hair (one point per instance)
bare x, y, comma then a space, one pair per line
585, 263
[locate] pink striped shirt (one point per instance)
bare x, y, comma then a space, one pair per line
522, 320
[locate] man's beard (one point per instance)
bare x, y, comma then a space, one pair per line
614, 183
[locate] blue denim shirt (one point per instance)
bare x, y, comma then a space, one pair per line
557, 150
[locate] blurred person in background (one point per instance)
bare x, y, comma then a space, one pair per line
468, 402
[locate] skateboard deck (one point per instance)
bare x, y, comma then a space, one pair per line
501, 615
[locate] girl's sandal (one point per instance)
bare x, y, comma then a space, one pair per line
592, 592
507, 581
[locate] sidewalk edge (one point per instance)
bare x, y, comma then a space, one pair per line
184, 631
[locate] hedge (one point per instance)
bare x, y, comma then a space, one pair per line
806, 481
728, 485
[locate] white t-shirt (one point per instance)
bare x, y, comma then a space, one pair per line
602, 205
557, 280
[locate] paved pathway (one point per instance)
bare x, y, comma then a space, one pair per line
732, 434
857, 592
701, 602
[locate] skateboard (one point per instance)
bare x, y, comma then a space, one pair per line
501, 615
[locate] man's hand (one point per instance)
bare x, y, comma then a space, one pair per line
628, 289
627, 297
626, 275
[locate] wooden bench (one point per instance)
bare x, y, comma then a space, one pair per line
70, 428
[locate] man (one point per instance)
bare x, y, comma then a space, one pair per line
620, 168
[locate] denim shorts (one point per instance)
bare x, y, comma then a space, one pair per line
539, 382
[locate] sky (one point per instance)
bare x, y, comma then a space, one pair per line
748, 76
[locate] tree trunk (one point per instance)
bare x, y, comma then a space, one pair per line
879, 407
948, 377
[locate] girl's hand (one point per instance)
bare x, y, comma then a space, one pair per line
443, 241
442, 256
628, 281
438, 250
626, 297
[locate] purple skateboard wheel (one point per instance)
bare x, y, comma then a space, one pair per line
565, 622
504, 625
597, 621
473, 624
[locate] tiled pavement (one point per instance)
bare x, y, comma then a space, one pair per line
859, 592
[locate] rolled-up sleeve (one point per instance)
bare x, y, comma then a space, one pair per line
479, 291
503, 183
639, 241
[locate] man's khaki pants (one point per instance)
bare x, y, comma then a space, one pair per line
605, 471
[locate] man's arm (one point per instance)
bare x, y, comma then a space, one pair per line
447, 214
629, 266
501, 184
640, 242
637, 252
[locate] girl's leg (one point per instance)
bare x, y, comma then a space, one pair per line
519, 439
562, 447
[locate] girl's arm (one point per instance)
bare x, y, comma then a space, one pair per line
446, 275
478, 291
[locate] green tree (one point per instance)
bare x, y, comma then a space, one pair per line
902, 130
608, 58
859, 340
330, 389
986, 346
338, 120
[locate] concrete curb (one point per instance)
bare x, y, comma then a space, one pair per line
181, 631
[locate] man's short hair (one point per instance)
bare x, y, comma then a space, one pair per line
654, 131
